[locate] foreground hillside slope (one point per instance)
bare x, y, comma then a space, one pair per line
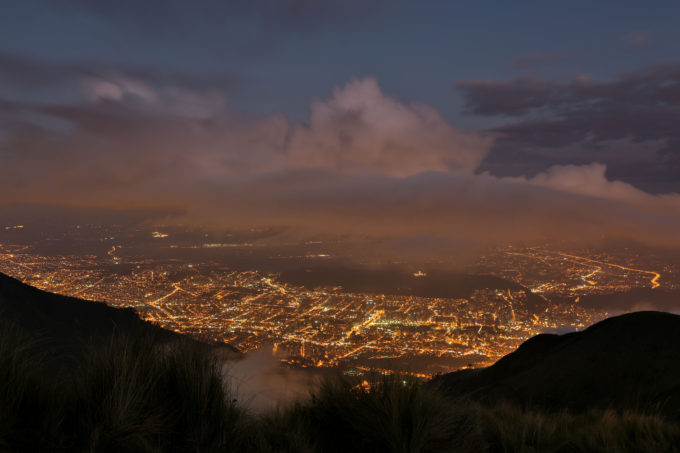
629, 361
131, 390
68, 321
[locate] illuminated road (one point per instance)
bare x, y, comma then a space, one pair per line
654, 281
586, 278
655, 275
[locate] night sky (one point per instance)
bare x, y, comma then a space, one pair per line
486, 121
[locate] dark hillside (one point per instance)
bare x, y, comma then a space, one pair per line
629, 361
68, 322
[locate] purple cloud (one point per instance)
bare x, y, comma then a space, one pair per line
582, 120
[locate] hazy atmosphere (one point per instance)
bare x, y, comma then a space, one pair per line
382, 119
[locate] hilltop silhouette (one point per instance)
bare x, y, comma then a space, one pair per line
630, 361
67, 326
67, 320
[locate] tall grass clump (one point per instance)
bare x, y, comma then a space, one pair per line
396, 415
625, 431
136, 394
289, 430
204, 411
506, 428
393, 414
28, 419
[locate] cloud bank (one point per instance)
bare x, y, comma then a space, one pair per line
364, 164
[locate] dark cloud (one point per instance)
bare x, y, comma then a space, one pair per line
616, 122
650, 88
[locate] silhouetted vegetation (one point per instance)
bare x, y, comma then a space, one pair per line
141, 390
132, 394
139, 394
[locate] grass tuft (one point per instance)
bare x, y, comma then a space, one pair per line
394, 414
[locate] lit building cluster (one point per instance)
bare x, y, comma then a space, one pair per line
332, 327
568, 274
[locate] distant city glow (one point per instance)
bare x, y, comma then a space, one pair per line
327, 326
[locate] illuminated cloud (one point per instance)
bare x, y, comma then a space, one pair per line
588, 180
360, 129
115, 90
364, 164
